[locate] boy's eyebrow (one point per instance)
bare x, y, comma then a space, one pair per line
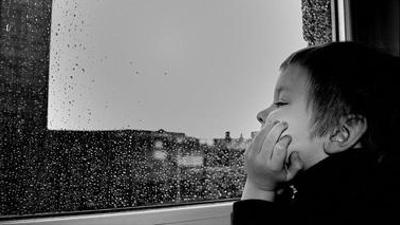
281, 89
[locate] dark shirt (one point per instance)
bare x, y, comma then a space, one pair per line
356, 186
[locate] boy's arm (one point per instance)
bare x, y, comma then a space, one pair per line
256, 207
251, 191
264, 162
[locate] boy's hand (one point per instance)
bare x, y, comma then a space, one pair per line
265, 160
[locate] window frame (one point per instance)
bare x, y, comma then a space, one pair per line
341, 20
364, 22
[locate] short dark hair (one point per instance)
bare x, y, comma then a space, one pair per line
346, 78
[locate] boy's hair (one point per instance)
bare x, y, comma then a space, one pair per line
346, 79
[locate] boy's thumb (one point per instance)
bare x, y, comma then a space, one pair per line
296, 164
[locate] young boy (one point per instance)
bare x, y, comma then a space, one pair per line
327, 150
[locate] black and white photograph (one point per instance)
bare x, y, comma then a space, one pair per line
199, 112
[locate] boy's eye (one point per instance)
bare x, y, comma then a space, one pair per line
279, 104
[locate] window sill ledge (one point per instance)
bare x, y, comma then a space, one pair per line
211, 213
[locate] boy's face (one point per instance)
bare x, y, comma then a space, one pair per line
290, 105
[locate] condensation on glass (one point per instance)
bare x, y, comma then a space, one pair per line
55, 171
49, 164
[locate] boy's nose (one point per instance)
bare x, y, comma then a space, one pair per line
263, 115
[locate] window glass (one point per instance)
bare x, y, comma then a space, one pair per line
111, 104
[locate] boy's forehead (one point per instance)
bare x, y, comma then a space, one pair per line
292, 79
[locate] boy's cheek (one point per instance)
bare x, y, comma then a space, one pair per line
291, 130
273, 116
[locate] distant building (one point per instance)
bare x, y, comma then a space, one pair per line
24, 66
239, 143
24, 75
232, 143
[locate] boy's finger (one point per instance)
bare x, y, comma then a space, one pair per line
279, 153
259, 139
296, 165
271, 139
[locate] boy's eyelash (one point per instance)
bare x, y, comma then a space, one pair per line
279, 104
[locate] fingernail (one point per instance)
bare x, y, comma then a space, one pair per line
287, 139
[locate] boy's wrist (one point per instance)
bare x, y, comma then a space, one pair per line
250, 191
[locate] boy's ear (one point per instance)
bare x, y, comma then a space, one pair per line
346, 135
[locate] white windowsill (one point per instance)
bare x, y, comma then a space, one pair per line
213, 214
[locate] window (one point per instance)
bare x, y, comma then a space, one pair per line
376, 25
131, 104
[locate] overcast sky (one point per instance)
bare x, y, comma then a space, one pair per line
201, 67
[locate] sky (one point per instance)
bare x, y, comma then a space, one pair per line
201, 67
